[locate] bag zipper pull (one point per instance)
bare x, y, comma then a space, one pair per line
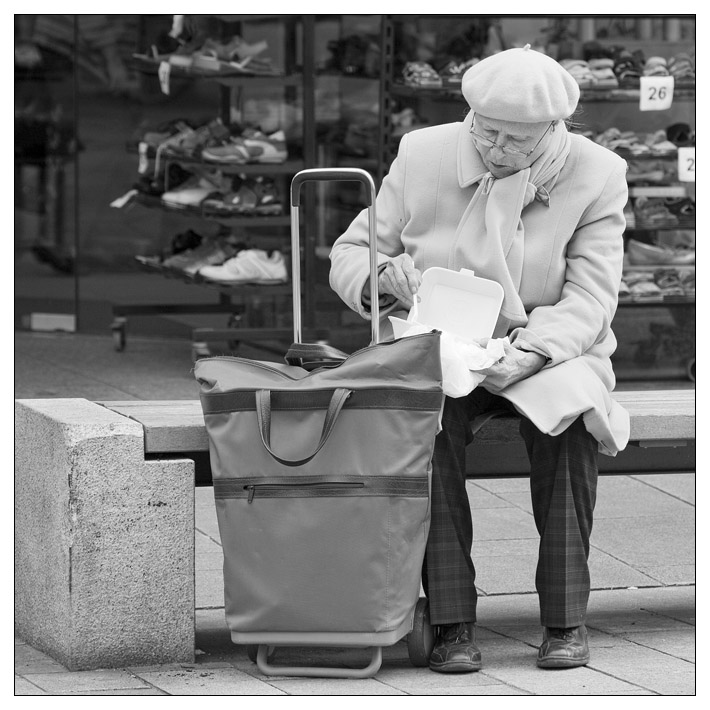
252, 490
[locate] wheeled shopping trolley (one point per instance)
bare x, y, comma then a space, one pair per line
322, 473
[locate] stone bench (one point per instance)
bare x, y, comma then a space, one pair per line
105, 522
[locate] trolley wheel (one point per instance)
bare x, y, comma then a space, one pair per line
118, 327
253, 649
421, 639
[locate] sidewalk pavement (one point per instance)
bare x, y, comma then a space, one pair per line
641, 616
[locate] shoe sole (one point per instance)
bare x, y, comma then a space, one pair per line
456, 667
551, 663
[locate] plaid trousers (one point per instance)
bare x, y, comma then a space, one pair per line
563, 482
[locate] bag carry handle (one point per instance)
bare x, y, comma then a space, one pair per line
322, 175
263, 417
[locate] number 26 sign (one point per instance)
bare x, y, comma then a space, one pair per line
656, 93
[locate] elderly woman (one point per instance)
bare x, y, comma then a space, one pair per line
509, 193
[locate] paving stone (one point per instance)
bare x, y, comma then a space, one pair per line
669, 575
673, 641
503, 524
30, 660
500, 486
422, 681
512, 574
206, 513
513, 663
123, 691
608, 572
335, 686
24, 687
623, 611
646, 668
681, 485
208, 553
110, 679
620, 496
629, 539
208, 681
481, 498
209, 588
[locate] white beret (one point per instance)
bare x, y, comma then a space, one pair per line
520, 85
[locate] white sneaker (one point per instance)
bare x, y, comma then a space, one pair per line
249, 266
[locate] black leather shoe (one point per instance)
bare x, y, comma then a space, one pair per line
564, 648
455, 650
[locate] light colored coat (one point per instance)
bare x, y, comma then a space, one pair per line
570, 277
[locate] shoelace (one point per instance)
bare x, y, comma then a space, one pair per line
563, 634
456, 633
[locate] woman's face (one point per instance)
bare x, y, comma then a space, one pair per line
505, 145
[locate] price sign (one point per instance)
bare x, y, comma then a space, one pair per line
656, 93
164, 76
686, 164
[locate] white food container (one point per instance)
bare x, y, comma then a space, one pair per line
456, 302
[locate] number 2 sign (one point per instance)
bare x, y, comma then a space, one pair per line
656, 93
686, 164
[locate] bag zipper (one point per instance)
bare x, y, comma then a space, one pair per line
289, 486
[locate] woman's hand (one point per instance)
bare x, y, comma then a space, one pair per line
514, 366
401, 279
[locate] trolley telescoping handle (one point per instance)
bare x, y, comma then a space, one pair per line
323, 175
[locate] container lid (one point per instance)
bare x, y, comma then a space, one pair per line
459, 302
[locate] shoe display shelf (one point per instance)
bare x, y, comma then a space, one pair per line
655, 318
256, 313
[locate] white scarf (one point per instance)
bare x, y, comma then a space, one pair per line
493, 219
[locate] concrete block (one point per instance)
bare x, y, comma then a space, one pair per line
104, 540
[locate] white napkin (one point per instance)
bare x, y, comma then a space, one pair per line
460, 359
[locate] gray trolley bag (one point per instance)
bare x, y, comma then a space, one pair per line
322, 476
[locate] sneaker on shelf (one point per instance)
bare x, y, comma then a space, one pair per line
234, 49
191, 193
231, 152
251, 147
209, 253
191, 144
250, 266
266, 149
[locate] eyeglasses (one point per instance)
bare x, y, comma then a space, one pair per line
510, 151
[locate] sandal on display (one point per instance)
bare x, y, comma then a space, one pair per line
581, 72
452, 72
251, 196
656, 66
421, 75
681, 206
645, 291
643, 254
652, 212
682, 69
680, 134
602, 70
627, 70
668, 280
